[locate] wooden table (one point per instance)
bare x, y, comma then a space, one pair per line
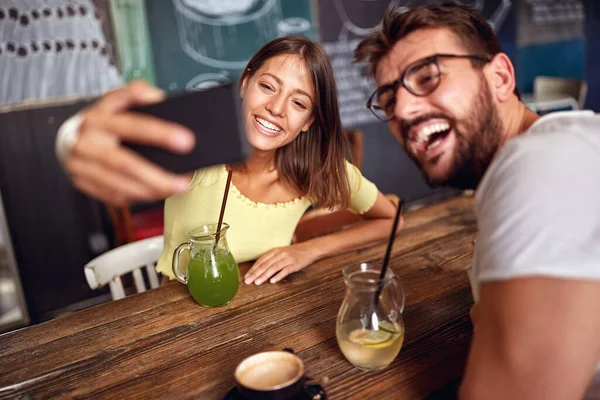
161, 344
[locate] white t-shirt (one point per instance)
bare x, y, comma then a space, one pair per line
538, 206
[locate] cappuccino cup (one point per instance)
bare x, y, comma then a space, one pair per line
272, 375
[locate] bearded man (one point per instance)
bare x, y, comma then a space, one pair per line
448, 94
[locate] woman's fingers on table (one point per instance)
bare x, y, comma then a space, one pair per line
278, 263
262, 265
283, 273
284, 264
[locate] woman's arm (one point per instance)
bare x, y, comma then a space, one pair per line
375, 226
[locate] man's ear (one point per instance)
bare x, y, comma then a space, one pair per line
501, 75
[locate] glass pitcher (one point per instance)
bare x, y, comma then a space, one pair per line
212, 275
370, 338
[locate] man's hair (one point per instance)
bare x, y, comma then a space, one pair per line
474, 32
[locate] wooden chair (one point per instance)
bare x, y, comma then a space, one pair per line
109, 267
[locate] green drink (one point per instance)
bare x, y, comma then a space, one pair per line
213, 277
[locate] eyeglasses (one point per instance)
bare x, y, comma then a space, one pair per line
420, 78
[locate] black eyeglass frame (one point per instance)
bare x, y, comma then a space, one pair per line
402, 80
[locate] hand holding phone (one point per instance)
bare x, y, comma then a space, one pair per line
107, 159
212, 115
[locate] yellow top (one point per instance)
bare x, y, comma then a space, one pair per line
255, 228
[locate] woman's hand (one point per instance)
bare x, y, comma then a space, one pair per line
278, 263
101, 167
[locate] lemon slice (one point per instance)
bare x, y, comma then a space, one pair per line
391, 327
369, 337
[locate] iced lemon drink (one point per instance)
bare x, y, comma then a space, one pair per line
370, 349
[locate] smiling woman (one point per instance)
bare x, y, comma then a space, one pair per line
293, 123
291, 119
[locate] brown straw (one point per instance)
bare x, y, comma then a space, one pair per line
218, 236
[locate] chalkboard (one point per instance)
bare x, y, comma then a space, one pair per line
199, 43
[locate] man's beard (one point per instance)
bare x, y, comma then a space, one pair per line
473, 153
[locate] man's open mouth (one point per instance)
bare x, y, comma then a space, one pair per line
430, 136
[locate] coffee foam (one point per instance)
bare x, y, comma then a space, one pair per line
269, 371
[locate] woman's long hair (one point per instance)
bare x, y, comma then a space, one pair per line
314, 163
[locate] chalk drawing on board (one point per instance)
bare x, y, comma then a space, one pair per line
294, 26
556, 12
499, 16
207, 80
224, 34
53, 49
496, 20
352, 27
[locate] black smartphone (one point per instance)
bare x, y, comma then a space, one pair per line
213, 115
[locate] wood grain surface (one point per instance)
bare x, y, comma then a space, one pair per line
161, 344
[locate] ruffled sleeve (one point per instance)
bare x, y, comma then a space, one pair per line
363, 192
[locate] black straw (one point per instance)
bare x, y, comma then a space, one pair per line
388, 251
386, 259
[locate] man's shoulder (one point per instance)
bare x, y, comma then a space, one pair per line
557, 153
537, 206
559, 132
566, 139
559, 121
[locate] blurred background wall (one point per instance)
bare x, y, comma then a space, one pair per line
551, 41
592, 53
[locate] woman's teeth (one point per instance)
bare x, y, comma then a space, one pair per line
266, 124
